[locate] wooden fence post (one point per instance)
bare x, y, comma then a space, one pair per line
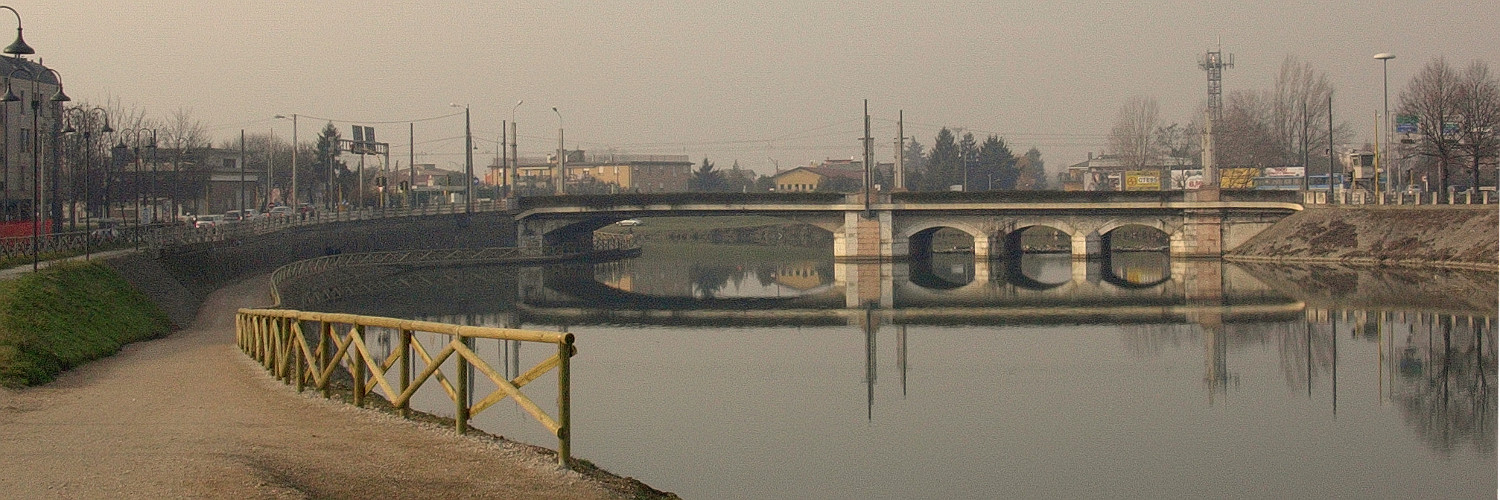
405, 342
357, 366
461, 397
564, 401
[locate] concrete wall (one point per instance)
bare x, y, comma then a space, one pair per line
182, 277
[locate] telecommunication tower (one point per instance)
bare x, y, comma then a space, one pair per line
1215, 62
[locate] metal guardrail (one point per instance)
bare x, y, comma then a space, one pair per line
276, 339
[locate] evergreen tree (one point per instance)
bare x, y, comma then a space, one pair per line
916, 163
1031, 171
706, 179
327, 157
968, 153
943, 164
996, 165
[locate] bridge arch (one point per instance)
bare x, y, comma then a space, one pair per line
918, 237
1010, 244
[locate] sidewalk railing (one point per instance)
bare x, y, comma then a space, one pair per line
165, 235
1362, 197
276, 338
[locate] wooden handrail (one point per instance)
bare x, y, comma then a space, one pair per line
275, 339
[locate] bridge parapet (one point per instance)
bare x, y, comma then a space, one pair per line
897, 225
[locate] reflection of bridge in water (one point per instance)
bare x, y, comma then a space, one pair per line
1212, 304
888, 293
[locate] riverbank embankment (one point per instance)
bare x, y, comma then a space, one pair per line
1460, 237
188, 415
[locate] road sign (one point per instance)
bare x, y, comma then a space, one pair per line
1406, 124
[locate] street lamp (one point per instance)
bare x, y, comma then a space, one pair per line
36, 146
515, 161
19, 46
88, 145
560, 180
137, 192
468, 162
1384, 58
294, 204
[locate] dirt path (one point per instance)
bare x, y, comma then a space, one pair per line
190, 416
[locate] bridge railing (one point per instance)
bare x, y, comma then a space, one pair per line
277, 340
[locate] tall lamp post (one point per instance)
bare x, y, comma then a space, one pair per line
16, 48
294, 204
468, 162
1385, 124
88, 149
514, 161
36, 146
561, 179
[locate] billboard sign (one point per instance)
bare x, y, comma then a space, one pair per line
1284, 171
1238, 178
1187, 179
1142, 180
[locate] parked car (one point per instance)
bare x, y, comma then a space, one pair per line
209, 221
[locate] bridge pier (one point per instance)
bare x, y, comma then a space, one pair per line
1087, 245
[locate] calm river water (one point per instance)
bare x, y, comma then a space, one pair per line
724, 372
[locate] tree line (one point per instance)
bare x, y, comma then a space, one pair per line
1456, 115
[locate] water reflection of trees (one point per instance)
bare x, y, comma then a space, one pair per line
1446, 364
1448, 391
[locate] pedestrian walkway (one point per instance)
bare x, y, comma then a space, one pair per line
190, 416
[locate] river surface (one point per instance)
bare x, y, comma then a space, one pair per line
727, 372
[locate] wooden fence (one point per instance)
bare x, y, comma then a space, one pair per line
275, 338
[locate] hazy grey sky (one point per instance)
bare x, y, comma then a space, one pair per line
731, 80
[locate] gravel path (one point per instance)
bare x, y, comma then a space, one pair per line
190, 416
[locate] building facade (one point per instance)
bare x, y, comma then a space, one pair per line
30, 127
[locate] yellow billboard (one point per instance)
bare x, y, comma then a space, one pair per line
1143, 180
1238, 178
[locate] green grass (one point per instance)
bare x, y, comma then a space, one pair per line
67, 315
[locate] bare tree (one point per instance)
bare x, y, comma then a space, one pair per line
1133, 137
1299, 100
1244, 136
1432, 96
1479, 108
182, 137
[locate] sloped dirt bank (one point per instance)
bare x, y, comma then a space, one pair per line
1462, 237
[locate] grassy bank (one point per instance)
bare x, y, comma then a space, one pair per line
67, 315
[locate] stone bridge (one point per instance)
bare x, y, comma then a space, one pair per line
901, 225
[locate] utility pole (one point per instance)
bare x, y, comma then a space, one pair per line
411, 165
468, 164
869, 145
899, 183
242, 174
1331, 159
295, 206
502, 160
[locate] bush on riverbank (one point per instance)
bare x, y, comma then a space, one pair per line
66, 315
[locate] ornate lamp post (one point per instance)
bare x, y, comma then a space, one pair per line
36, 160
88, 149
